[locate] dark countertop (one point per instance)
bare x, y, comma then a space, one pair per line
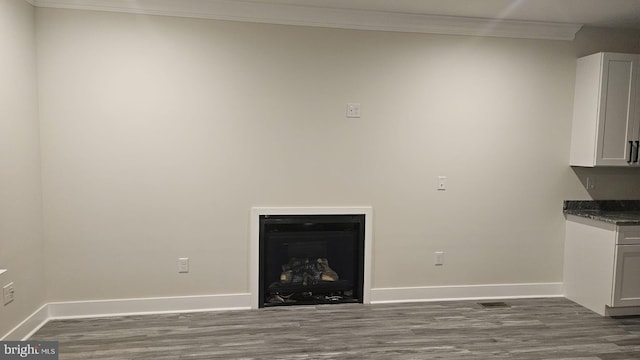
618, 212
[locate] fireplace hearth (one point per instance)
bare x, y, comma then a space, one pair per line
311, 259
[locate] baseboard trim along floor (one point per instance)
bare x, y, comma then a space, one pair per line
28, 326
141, 306
121, 307
466, 292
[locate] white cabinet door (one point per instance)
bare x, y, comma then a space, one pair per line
606, 118
626, 288
617, 128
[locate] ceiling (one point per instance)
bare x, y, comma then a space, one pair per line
537, 19
607, 13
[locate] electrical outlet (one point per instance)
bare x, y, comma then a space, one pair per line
442, 183
439, 258
183, 265
591, 183
8, 293
353, 110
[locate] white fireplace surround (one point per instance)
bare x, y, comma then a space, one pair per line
254, 247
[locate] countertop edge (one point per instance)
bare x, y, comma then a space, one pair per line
606, 218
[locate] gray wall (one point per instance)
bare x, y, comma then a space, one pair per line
20, 195
158, 134
590, 40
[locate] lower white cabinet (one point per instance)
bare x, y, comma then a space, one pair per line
626, 278
602, 266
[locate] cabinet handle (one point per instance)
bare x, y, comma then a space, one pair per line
630, 151
637, 150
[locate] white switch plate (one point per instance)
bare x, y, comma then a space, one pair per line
8, 293
439, 258
353, 110
442, 183
591, 183
183, 265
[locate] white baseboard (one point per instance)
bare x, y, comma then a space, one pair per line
465, 292
178, 304
121, 307
142, 306
28, 326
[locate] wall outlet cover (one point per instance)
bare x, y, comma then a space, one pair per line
353, 110
183, 265
8, 293
442, 183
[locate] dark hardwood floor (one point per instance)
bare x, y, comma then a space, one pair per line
552, 328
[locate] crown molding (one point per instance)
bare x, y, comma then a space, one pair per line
247, 11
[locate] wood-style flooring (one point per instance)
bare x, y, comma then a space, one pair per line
553, 328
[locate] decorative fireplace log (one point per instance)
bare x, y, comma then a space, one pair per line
307, 271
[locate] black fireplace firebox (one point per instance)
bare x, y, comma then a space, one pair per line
311, 259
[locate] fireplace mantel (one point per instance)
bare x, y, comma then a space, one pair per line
256, 212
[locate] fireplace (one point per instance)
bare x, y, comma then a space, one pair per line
311, 259
309, 256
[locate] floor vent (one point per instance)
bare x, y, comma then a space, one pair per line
497, 304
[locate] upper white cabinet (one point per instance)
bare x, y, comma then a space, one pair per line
606, 112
